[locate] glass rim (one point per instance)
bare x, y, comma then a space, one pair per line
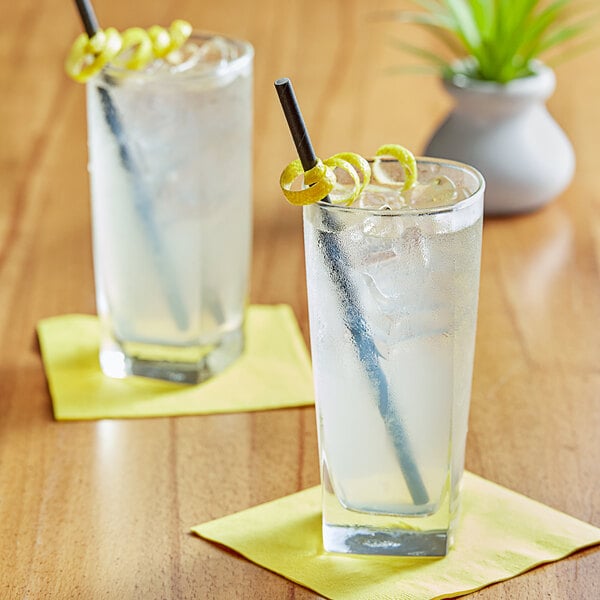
416, 211
231, 66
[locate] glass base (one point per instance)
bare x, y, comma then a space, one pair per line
180, 365
390, 542
426, 530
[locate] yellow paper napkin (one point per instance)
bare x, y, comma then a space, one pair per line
501, 534
273, 372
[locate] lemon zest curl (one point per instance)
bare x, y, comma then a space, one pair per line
88, 55
133, 49
321, 180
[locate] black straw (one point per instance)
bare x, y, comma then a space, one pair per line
295, 122
353, 317
88, 17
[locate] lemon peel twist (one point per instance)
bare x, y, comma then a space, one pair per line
161, 40
405, 157
88, 55
133, 49
361, 166
355, 165
320, 181
179, 31
136, 51
339, 163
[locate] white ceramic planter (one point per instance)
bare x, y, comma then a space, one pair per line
506, 132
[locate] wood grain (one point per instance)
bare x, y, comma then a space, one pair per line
103, 509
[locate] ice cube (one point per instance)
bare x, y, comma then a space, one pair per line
407, 298
438, 191
380, 227
381, 197
210, 54
392, 275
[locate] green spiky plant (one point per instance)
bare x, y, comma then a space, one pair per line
499, 40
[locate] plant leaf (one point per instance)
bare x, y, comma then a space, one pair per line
422, 53
432, 6
574, 52
483, 14
563, 35
550, 16
466, 26
501, 37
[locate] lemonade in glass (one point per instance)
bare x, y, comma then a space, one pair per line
393, 284
170, 169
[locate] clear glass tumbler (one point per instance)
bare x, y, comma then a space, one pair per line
170, 161
392, 298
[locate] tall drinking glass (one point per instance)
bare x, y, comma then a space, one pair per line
170, 168
392, 294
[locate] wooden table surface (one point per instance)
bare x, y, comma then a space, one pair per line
103, 509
